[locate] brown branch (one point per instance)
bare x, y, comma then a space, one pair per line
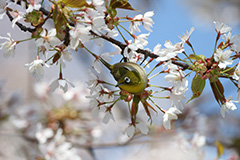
21, 26
110, 39
146, 53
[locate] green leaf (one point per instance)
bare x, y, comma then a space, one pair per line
112, 12
114, 4
197, 87
218, 91
197, 57
220, 149
56, 58
59, 19
123, 4
75, 3
134, 108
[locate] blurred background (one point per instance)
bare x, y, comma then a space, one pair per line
172, 18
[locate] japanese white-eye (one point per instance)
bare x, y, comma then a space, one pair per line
130, 76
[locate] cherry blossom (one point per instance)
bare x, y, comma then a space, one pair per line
186, 37
61, 83
131, 129
48, 39
228, 105
79, 34
33, 5
43, 134
8, 46
97, 63
3, 7
170, 114
221, 28
170, 51
222, 57
36, 68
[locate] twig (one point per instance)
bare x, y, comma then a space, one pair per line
146, 53
21, 26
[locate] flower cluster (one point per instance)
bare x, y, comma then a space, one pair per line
78, 24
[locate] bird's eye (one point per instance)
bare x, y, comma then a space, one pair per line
127, 80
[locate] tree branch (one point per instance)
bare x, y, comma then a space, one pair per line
21, 26
146, 53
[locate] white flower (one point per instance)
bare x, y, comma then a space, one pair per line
130, 130
97, 2
134, 27
17, 16
59, 149
103, 94
177, 77
92, 82
223, 58
238, 95
47, 39
8, 46
228, 105
142, 127
33, 5
170, 51
130, 53
140, 41
3, 7
98, 23
198, 140
107, 117
236, 47
61, 83
80, 33
221, 28
96, 109
43, 134
236, 74
170, 114
66, 54
231, 39
36, 68
186, 37
176, 99
97, 63
157, 49
147, 20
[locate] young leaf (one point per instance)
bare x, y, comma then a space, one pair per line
197, 87
134, 108
59, 19
75, 3
55, 58
220, 149
197, 57
218, 91
122, 4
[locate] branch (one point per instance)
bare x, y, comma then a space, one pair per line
146, 53
21, 26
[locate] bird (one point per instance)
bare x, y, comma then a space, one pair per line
131, 77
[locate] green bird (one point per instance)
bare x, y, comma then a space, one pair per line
130, 77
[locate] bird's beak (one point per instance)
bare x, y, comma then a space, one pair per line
119, 84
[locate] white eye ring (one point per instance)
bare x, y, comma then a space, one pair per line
127, 80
